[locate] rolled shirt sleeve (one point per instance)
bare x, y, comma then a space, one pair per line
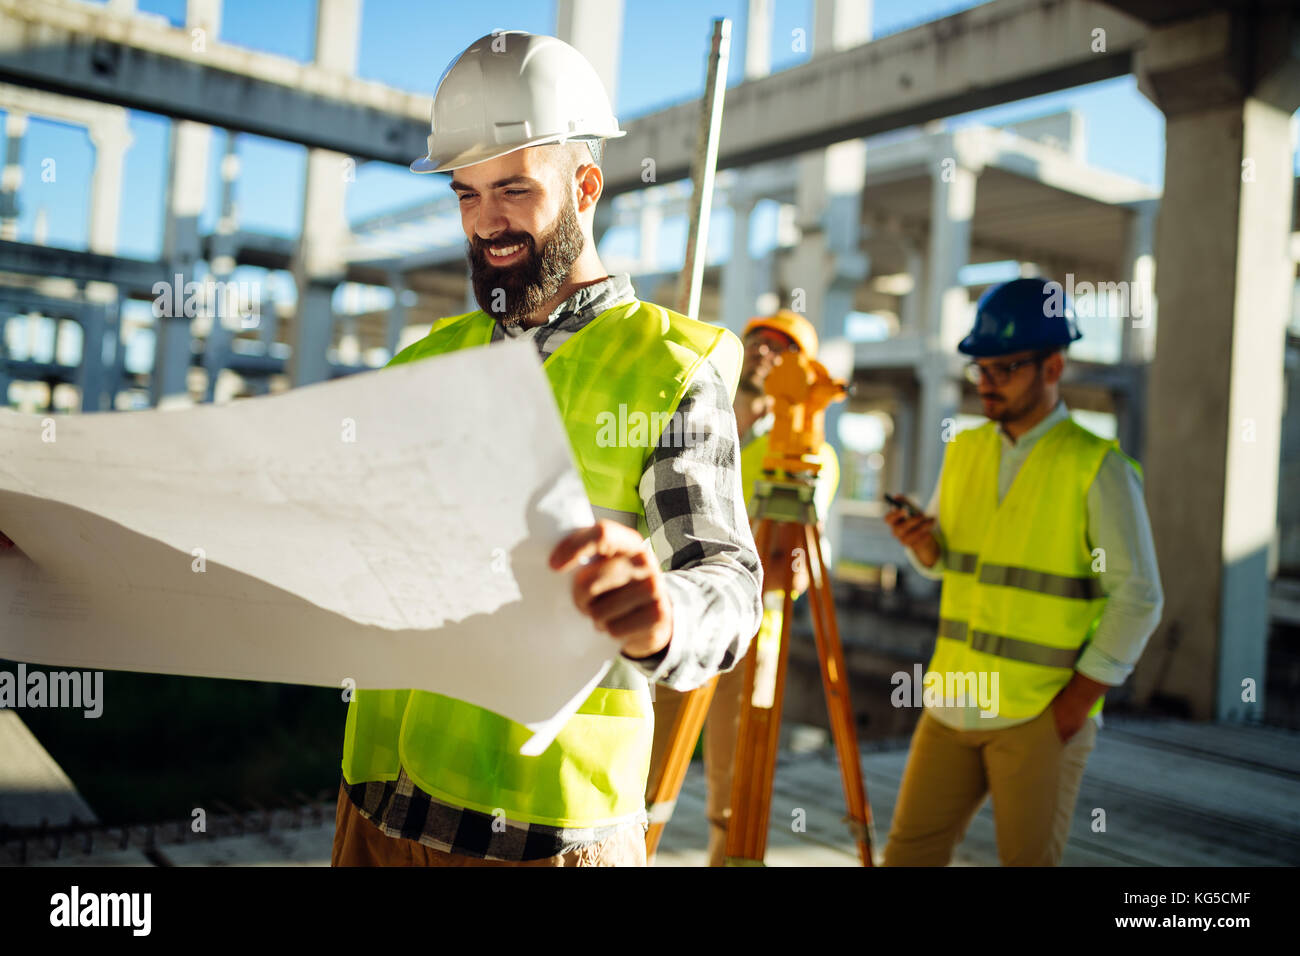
699, 531
1119, 532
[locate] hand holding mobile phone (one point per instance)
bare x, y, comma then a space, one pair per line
913, 529
899, 501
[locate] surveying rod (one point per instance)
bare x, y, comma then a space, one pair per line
703, 165
662, 792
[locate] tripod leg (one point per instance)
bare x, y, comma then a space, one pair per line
836, 685
686, 731
663, 792
760, 728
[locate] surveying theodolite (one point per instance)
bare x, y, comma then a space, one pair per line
784, 517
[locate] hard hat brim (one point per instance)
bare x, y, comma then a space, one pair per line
987, 348
481, 154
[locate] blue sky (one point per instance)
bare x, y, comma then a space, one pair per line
407, 45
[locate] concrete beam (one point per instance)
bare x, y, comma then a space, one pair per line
994, 53
84, 50
136, 275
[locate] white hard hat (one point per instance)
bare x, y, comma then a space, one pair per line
513, 89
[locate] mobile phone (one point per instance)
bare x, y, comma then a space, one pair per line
898, 501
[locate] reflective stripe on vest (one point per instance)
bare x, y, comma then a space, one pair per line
1020, 596
1028, 579
999, 645
635, 359
961, 561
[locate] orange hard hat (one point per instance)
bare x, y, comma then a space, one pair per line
788, 323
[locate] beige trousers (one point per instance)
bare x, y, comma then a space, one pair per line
721, 730
1032, 776
358, 842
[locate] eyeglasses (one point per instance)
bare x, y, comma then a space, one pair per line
999, 373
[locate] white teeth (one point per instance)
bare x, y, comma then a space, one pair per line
506, 251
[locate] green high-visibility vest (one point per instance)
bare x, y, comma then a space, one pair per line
1020, 594
633, 363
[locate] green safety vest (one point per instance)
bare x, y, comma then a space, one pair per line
1020, 596
593, 774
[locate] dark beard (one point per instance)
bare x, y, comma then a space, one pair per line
532, 282
1027, 402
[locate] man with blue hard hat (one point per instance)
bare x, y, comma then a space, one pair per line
1039, 532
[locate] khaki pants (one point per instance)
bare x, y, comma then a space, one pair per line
358, 842
721, 730
1032, 776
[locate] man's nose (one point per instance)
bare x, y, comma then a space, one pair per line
490, 221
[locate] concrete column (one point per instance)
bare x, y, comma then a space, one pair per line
117, 364
4, 363
945, 321
738, 291
221, 330
93, 377
186, 192
1227, 86
269, 325
824, 270
898, 452
649, 223
1138, 335
939, 401
111, 138
397, 313
952, 208
758, 39
911, 316
11, 177
319, 264
595, 29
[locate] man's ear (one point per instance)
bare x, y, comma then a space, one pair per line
590, 184
1054, 367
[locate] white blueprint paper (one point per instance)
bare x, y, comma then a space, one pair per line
390, 528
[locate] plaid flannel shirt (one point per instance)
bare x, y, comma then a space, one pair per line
698, 529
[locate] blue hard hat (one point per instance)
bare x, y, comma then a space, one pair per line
1021, 315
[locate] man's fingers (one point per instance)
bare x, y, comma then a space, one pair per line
623, 600
641, 619
603, 575
916, 532
908, 529
602, 538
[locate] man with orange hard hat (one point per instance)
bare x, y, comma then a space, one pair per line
766, 339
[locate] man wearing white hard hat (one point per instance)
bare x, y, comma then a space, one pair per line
671, 573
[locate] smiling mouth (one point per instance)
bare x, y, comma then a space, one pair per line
504, 254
